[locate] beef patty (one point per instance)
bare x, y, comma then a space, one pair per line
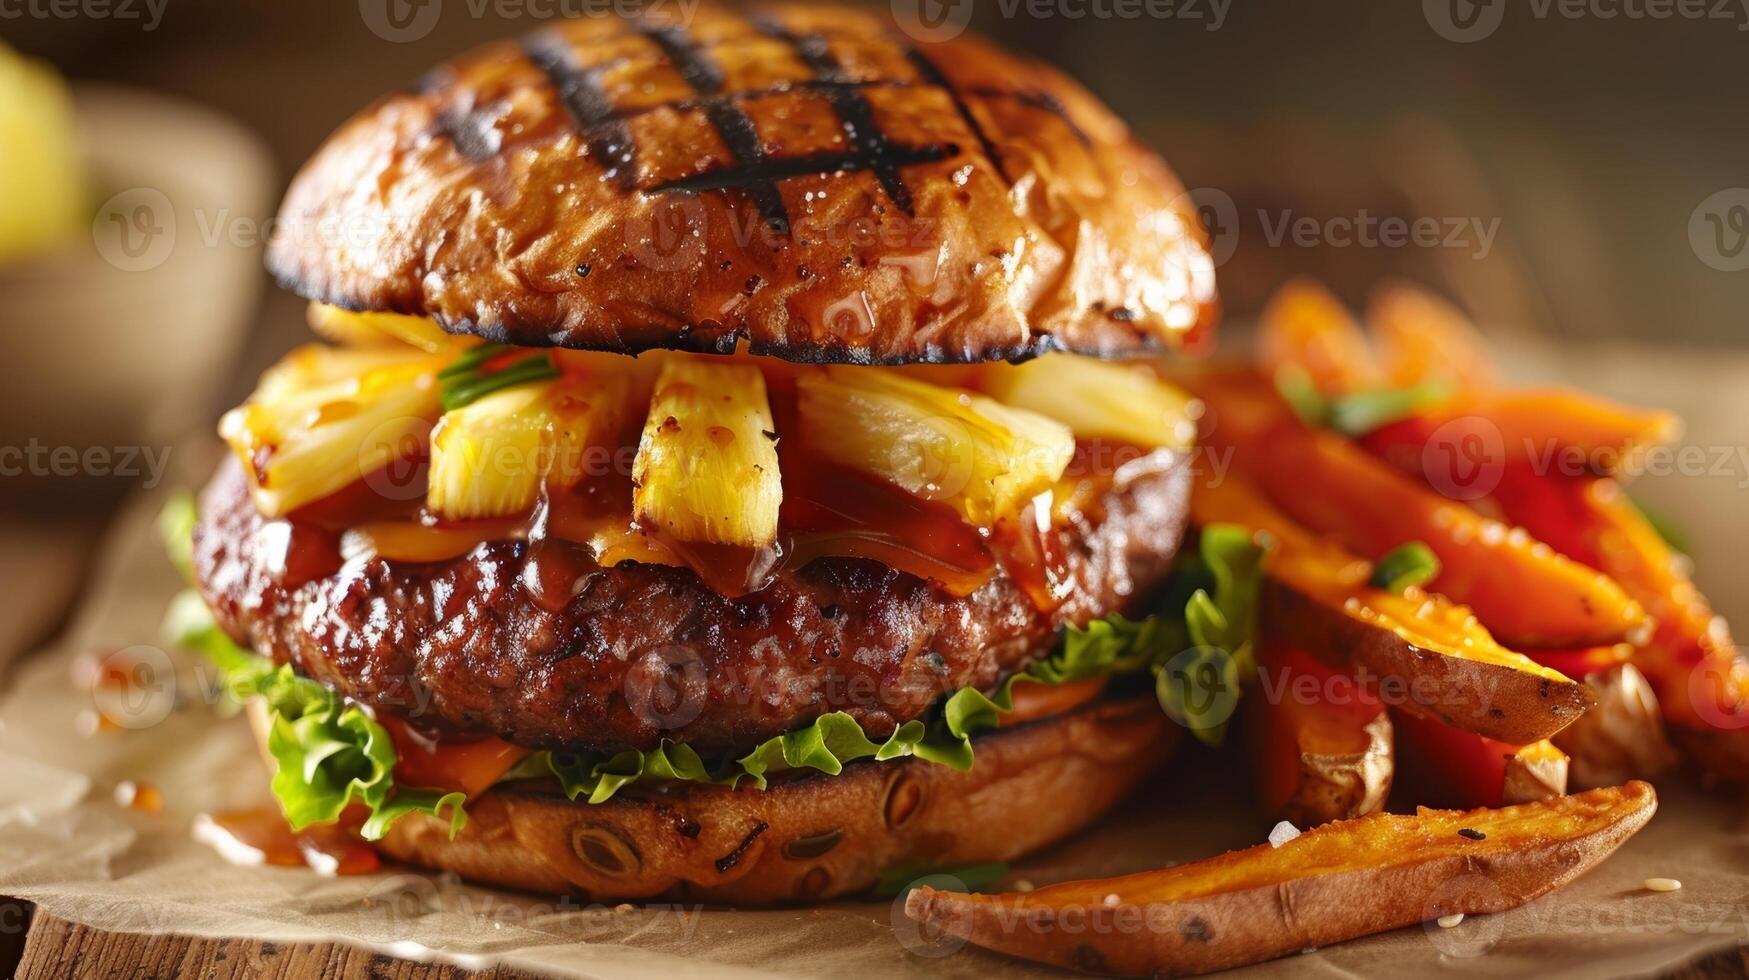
637, 653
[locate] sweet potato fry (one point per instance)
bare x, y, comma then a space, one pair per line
1443, 662
1421, 340
1307, 330
1342, 880
1701, 683
1452, 767
1554, 431
1320, 743
1622, 737
1525, 594
1585, 661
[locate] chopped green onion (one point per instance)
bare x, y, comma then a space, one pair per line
462, 384
1666, 528
1297, 389
470, 360
1410, 564
1363, 411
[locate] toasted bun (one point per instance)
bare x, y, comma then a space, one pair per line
806, 839
804, 178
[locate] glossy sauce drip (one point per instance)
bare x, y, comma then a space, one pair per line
830, 511
261, 836
827, 511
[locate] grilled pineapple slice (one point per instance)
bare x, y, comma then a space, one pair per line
1099, 400
981, 457
490, 458
706, 468
375, 329
322, 419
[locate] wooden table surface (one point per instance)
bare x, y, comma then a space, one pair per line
54, 949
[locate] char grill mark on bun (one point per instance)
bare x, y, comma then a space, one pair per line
730, 121
853, 110
890, 202
608, 137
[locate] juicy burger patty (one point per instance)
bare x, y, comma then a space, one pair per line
644, 652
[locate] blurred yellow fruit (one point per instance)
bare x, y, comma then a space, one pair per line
42, 184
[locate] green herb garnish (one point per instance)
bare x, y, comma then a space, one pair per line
1356, 413
465, 380
1407, 565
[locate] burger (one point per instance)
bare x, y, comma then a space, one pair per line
730, 467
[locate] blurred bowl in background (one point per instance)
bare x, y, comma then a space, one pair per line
123, 338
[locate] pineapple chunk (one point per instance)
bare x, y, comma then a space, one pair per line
1099, 400
313, 366
321, 420
490, 458
973, 453
706, 468
374, 329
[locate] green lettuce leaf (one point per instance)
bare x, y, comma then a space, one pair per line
1200, 677
1106, 646
176, 531
329, 754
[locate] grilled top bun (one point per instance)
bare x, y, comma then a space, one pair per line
803, 177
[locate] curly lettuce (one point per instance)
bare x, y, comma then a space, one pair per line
329, 754
1108, 646
1210, 657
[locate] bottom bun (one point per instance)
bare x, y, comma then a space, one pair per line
808, 838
